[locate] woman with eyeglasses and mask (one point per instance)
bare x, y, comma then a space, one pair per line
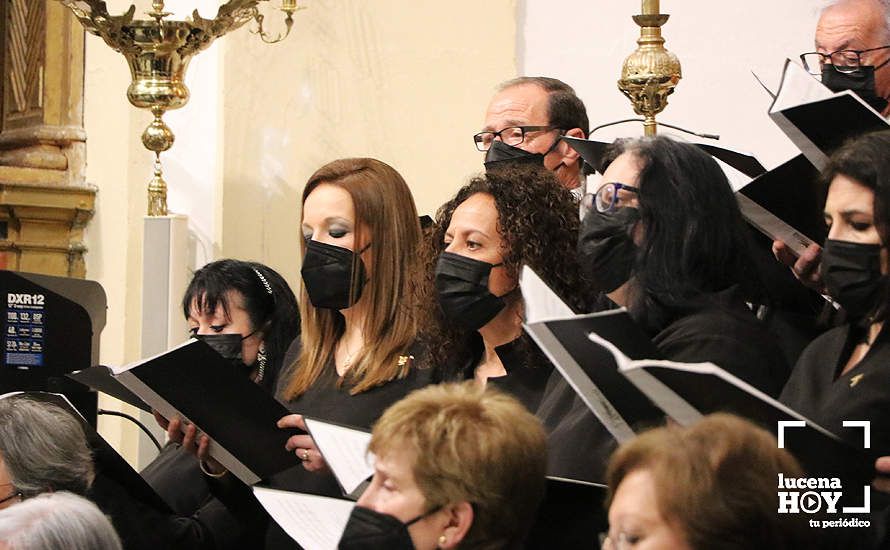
842, 374
357, 352
664, 238
701, 487
500, 221
247, 312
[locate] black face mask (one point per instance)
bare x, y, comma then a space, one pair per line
327, 273
228, 346
367, 529
852, 275
462, 285
862, 82
606, 249
500, 154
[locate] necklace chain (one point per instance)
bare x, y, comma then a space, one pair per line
348, 361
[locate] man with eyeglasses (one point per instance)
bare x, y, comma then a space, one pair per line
852, 53
853, 49
525, 122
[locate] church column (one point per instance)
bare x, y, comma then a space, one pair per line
45, 202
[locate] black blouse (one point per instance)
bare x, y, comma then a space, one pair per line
725, 333
324, 400
525, 378
818, 391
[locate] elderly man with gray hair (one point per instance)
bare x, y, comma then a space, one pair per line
853, 49
56, 521
852, 42
42, 448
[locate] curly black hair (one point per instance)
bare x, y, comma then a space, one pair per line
538, 221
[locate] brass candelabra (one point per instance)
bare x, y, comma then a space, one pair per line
158, 51
651, 72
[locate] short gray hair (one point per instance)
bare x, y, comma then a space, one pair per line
43, 447
61, 521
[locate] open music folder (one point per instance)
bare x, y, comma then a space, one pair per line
816, 119
785, 204
623, 380
315, 522
588, 369
687, 391
193, 382
345, 450
101, 378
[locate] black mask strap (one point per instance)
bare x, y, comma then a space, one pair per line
422, 516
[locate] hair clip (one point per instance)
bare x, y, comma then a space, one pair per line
263, 280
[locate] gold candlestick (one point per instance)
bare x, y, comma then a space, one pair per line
158, 52
651, 72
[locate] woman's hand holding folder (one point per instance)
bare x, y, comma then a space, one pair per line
192, 442
806, 267
303, 445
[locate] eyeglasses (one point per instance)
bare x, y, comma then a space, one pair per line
843, 61
511, 135
16, 494
608, 197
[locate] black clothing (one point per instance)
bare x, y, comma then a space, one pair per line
727, 334
816, 390
723, 332
523, 381
177, 478
141, 527
324, 401
527, 368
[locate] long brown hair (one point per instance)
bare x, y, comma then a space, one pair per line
384, 206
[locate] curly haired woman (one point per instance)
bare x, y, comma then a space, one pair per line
495, 224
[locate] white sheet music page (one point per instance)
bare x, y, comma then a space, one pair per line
345, 451
541, 303
315, 522
798, 87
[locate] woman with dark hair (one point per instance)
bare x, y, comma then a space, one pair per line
261, 293
842, 374
665, 238
495, 224
247, 312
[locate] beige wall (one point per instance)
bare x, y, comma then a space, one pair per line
406, 82
120, 170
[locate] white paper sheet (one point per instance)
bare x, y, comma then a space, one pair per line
315, 522
798, 87
345, 451
541, 303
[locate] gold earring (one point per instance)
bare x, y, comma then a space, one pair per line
442, 539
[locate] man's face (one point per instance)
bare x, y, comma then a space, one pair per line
527, 105
524, 105
857, 25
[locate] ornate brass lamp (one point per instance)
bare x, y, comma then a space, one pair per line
158, 51
650, 73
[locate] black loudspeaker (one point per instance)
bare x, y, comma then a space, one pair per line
51, 326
